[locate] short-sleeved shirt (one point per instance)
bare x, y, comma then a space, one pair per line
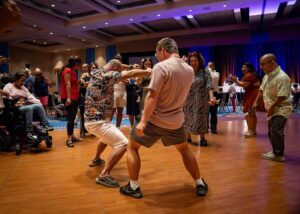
277, 84
99, 98
251, 92
171, 79
74, 85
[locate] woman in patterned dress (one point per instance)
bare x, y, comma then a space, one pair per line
199, 98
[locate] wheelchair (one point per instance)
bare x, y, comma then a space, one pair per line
12, 129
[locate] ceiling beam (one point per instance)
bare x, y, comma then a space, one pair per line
44, 10
95, 6
184, 32
146, 28
122, 16
135, 28
103, 3
194, 22
182, 22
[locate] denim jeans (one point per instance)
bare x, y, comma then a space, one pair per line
276, 133
28, 112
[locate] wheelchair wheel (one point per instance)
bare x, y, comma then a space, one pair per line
48, 141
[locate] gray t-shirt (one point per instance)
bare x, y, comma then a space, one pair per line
172, 79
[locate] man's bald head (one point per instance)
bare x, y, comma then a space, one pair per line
268, 63
268, 57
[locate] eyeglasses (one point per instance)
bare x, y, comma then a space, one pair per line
264, 63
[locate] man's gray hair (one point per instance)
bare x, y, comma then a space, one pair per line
114, 63
168, 44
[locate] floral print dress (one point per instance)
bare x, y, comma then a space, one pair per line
196, 105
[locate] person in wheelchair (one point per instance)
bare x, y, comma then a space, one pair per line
27, 104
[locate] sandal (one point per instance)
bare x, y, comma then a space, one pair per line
96, 162
74, 139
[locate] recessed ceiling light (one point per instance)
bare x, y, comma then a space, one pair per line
51, 33
96, 46
83, 40
131, 19
55, 51
190, 10
118, 1
69, 12
52, 5
34, 25
106, 23
158, 15
224, 5
45, 43
34, 40
84, 27
69, 35
69, 49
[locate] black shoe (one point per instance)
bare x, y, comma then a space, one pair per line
214, 131
48, 128
69, 143
202, 190
203, 142
127, 190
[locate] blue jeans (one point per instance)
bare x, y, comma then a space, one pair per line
276, 133
28, 112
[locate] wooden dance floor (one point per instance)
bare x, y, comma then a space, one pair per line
60, 181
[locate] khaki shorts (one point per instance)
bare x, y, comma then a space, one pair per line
119, 100
153, 133
108, 133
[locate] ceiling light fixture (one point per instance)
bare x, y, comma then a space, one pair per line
131, 20
69, 12
84, 27
190, 16
96, 46
190, 11
224, 5
158, 15
34, 40
45, 43
51, 33
52, 5
69, 35
34, 25
69, 49
177, 17
118, 2
106, 23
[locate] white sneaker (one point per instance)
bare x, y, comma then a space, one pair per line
249, 134
271, 156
